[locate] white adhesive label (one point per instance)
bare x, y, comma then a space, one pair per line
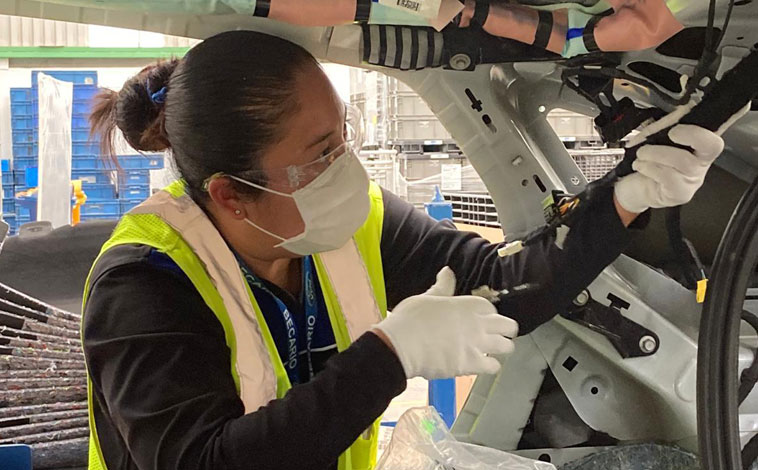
428, 9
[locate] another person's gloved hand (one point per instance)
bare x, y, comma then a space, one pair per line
436, 335
669, 176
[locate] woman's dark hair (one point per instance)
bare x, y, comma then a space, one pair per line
216, 110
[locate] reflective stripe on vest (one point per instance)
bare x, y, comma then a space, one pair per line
351, 279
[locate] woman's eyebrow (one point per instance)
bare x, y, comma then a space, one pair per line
320, 139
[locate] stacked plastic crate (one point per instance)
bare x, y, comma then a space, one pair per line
109, 193
8, 192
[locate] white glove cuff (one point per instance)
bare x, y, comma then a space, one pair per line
627, 191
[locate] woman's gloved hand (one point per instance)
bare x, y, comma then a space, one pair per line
439, 335
668, 176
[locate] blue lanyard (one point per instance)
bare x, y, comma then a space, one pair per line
310, 302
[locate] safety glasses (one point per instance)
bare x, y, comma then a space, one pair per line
291, 178
354, 127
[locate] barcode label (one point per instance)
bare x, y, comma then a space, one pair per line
409, 5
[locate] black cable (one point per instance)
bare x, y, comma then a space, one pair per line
706, 58
686, 257
725, 26
612, 72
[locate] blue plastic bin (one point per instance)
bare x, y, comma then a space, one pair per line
26, 208
91, 176
82, 108
9, 205
9, 191
127, 205
83, 136
22, 163
7, 173
16, 457
77, 77
24, 136
23, 94
86, 163
19, 177
139, 193
25, 150
24, 108
136, 162
134, 177
32, 177
24, 122
80, 122
101, 207
11, 220
88, 217
85, 92
85, 149
99, 191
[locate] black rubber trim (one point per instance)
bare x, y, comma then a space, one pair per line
667, 78
262, 8
749, 376
366, 42
382, 45
414, 50
481, 12
544, 29
687, 43
588, 36
362, 10
398, 47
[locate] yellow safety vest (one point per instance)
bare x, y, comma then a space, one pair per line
351, 279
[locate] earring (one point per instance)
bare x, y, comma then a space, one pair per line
237, 212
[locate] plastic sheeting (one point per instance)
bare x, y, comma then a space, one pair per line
637, 457
55, 108
421, 441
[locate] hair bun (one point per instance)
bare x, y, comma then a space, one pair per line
137, 110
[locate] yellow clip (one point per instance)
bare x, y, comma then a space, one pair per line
702, 286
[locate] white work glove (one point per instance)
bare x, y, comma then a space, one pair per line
669, 176
436, 335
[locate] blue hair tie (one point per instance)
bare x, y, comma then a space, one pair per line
159, 97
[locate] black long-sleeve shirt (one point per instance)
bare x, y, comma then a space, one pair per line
164, 396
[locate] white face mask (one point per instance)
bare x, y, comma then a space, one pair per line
333, 207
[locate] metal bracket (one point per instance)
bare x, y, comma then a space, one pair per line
629, 338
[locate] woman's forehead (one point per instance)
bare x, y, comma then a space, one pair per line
314, 124
320, 110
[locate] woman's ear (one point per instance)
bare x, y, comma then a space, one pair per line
223, 194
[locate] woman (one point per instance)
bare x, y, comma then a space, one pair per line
235, 319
